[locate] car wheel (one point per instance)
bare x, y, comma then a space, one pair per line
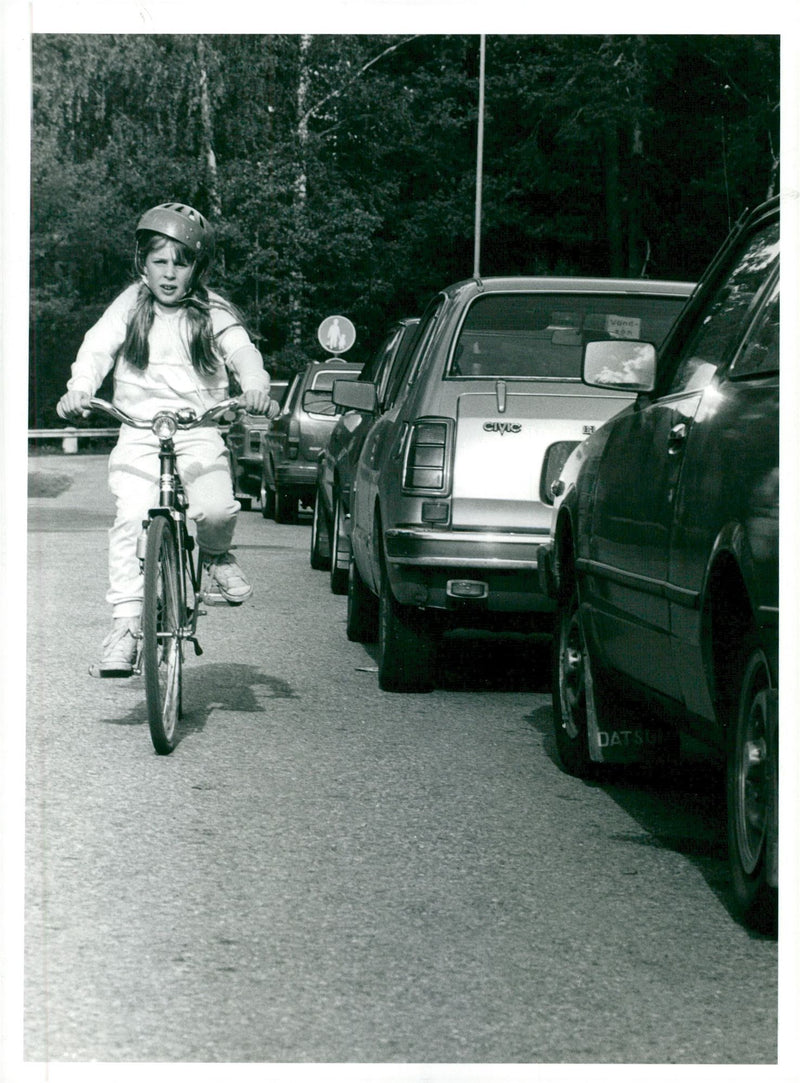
320, 539
751, 776
362, 608
406, 645
339, 551
570, 666
285, 505
267, 496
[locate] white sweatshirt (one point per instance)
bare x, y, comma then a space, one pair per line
169, 380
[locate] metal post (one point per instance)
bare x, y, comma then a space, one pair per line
69, 445
479, 178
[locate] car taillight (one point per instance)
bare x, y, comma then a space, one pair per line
426, 461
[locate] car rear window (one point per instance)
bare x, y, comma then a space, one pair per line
543, 335
323, 381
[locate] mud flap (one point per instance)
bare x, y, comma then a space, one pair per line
630, 741
771, 862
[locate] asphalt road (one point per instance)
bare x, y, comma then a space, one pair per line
322, 873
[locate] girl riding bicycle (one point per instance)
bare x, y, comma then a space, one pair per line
172, 343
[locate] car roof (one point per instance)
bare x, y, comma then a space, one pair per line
569, 284
334, 365
332, 362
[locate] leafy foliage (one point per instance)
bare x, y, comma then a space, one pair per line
340, 170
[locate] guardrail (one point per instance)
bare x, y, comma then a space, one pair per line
69, 437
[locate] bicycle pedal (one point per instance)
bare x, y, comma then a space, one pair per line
106, 674
213, 598
198, 650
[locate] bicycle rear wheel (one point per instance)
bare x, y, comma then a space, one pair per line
162, 646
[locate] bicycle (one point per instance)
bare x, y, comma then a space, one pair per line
173, 572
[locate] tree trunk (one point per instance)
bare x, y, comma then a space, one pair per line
636, 245
616, 249
207, 127
300, 190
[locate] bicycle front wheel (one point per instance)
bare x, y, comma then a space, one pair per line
162, 646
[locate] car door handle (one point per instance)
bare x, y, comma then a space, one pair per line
677, 435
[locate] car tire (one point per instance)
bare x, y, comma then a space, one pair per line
285, 505
339, 546
570, 664
751, 774
406, 645
267, 496
362, 608
320, 538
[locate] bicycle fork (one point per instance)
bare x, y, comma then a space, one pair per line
187, 630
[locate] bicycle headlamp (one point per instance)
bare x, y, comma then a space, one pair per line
164, 426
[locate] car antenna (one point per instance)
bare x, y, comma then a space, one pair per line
479, 164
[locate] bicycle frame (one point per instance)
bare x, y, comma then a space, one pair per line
173, 504
170, 568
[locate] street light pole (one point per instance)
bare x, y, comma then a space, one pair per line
479, 178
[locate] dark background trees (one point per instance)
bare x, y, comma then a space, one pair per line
340, 170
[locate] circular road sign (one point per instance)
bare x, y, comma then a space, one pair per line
336, 334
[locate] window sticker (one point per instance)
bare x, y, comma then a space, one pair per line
623, 326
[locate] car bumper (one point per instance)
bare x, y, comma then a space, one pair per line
440, 569
296, 475
463, 548
249, 464
247, 474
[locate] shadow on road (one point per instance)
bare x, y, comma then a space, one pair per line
470, 661
218, 686
487, 662
678, 807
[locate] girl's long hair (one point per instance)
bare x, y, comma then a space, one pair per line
197, 305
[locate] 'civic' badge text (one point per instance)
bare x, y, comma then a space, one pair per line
502, 426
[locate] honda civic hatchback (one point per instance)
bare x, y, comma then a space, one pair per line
451, 495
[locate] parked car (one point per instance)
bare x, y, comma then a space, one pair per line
245, 439
330, 537
452, 489
297, 437
663, 559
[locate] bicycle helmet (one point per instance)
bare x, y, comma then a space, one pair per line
181, 223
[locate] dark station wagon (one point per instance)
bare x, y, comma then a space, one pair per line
663, 560
297, 437
330, 536
451, 497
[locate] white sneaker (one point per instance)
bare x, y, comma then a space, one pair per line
119, 649
228, 578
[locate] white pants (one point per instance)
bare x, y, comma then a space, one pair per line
133, 471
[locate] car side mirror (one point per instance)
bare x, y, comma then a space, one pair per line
621, 365
318, 402
356, 395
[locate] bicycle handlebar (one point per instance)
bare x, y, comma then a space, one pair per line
185, 418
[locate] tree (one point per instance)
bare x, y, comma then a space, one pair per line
340, 170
